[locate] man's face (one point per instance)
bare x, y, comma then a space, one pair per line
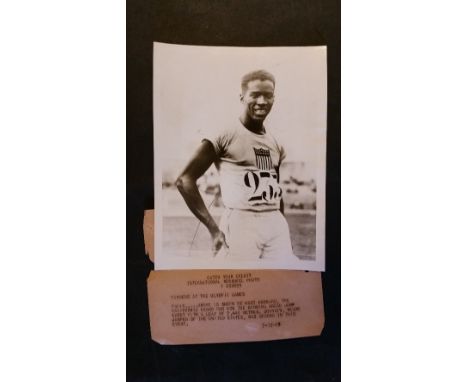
258, 99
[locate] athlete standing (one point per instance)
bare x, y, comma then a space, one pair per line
248, 158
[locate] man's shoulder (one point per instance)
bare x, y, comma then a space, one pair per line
222, 138
230, 130
227, 130
275, 137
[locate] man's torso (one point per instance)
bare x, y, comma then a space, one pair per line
248, 163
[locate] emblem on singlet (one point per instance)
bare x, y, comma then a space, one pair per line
263, 183
263, 159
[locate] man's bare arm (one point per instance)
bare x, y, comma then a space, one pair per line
187, 186
281, 200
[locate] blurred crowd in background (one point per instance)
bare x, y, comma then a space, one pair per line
299, 188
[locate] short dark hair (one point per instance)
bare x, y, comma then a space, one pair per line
261, 75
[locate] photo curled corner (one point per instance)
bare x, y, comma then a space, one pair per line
148, 233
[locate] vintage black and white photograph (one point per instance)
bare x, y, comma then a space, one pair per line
240, 157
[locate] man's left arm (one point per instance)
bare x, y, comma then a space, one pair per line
281, 200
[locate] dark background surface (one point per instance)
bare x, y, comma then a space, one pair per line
241, 23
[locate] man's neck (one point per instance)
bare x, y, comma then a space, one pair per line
252, 125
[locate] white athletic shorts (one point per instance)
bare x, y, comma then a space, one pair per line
256, 235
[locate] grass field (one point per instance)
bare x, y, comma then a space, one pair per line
179, 231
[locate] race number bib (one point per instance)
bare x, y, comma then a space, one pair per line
263, 186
